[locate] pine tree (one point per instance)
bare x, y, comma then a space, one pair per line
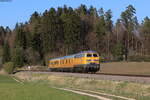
18, 57
67, 30
49, 27
101, 24
20, 39
145, 34
109, 26
72, 31
82, 10
36, 33
6, 57
2, 35
127, 18
93, 11
100, 30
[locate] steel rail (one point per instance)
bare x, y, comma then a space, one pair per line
112, 74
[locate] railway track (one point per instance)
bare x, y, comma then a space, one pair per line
107, 74
129, 75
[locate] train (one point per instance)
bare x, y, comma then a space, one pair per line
84, 62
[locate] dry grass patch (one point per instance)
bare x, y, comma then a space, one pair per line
126, 67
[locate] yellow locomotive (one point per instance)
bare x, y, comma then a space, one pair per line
86, 61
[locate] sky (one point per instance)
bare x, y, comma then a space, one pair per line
20, 10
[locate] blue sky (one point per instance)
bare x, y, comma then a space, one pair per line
21, 10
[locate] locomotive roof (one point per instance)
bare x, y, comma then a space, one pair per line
88, 51
72, 56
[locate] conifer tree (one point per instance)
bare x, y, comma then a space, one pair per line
72, 31
109, 26
100, 30
49, 27
127, 18
20, 39
18, 57
6, 53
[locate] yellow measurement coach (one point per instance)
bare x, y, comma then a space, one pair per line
86, 61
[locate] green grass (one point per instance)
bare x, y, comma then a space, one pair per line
34, 91
6, 79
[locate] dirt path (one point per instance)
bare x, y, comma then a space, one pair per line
83, 93
20, 82
121, 97
95, 95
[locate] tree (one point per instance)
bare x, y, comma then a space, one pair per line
118, 51
100, 30
82, 10
2, 35
118, 31
100, 25
109, 25
18, 57
59, 11
72, 31
8, 30
92, 11
32, 57
6, 57
28, 36
21, 39
67, 30
127, 18
145, 34
50, 27
35, 28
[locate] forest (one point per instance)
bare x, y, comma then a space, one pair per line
65, 30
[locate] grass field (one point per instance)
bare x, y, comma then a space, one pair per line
120, 88
12, 90
126, 68
37, 86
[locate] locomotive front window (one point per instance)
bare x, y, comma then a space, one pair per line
95, 55
89, 55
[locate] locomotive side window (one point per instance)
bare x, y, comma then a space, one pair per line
89, 55
95, 55
79, 56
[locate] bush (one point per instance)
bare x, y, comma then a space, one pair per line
9, 67
117, 51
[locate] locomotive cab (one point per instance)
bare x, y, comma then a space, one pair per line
92, 58
92, 62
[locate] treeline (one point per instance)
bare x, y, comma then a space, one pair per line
63, 31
